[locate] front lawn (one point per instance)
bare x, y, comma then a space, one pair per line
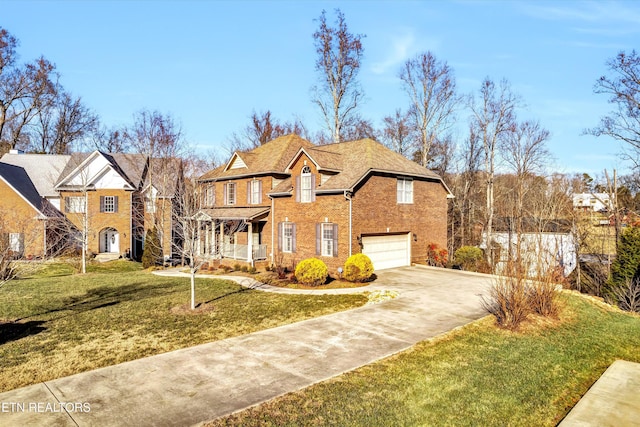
475, 376
56, 324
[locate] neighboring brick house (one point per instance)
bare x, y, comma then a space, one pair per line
288, 200
102, 193
28, 222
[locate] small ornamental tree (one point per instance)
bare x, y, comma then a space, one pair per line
311, 272
152, 254
358, 268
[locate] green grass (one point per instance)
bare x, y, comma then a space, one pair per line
53, 325
477, 375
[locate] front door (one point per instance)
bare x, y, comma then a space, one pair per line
110, 241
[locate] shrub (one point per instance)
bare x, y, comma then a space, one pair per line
436, 256
508, 302
358, 268
244, 268
469, 258
311, 271
542, 297
236, 267
152, 254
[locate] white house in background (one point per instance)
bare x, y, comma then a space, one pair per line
545, 244
595, 202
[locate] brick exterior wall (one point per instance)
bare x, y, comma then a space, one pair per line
121, 221
18, 217
376, 210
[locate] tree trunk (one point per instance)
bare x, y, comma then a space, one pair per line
193, 288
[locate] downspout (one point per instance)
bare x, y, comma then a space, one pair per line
272, 230
348, 195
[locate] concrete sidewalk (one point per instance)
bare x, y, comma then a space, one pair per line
197, 384
613, 401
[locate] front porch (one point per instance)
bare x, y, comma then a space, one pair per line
232, 233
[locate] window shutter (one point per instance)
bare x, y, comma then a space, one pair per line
249, 192
318, 239
260, 191
335, 239
224, 189
101, 203
293, 238
313, 188
66, 204
298, 189
115, 203
280, 236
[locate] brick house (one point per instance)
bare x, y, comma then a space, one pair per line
28, 222
288, 200
108, 194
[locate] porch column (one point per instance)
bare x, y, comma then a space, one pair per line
207, 249
221, 239
250, 243
199, 237
213, 239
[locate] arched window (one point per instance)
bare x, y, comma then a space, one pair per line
306, 185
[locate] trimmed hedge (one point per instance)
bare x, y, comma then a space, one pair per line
358, 268
311, 272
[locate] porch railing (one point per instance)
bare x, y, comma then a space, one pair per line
240, 252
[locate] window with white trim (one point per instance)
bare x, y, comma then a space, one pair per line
405, 190
231, 193
305, 185
328, 239
109, 204
75, 204
287, 237
255, 191
209, 195
16, 242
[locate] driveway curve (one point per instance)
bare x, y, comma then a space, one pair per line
201, 383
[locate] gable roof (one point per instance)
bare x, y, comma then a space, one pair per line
272, 157
357, 159
18, 179
130, 167
43, 169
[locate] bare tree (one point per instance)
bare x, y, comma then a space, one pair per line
524, 150
358, 128
623, 89
493, 118
432, 89
262, 129
109, 140
468, 196
397, 133
64, 123
338, 63
158, 137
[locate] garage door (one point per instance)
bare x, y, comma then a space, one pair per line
387, 251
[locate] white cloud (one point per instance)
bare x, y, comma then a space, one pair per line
401, 46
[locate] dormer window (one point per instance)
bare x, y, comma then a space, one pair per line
306, 187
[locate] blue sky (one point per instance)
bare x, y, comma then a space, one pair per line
212, 63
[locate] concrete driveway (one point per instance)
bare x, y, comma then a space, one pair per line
197, 384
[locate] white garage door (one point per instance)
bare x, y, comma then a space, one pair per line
387, 251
